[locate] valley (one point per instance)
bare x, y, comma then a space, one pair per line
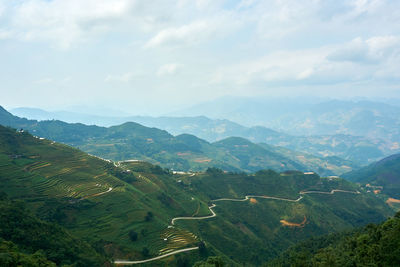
198, 133
185, 152
136, 211
323, 139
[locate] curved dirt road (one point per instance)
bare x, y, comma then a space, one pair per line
196, 218
265, 197
155, 258
329, 193
214, 215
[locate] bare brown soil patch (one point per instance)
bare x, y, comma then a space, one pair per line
202, 160
253, 200
392, 200
183, 153
42, 166
292, 224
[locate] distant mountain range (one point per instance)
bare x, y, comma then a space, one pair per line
183, 152
357, 148
302, 116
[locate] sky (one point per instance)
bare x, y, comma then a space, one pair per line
152, 57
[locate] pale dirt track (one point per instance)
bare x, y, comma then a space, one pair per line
265, 197
122, 262
97, 194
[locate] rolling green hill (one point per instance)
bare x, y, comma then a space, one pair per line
124, 209
360, 138
92, 198
385, 173
327, 166
249, 155
183, 152
255, 230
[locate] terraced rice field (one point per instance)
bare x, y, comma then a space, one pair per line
172, 239
68, 177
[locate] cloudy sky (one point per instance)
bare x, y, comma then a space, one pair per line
150, 57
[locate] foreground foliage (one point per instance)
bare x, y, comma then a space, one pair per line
28, 241
373, 245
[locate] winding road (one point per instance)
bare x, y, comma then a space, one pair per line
329, 193
265, 197
155, 258
196, 218
213, 214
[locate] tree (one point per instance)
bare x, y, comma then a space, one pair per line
133, 235
214, 171
214, 261
145, 252
149, 216
202, 248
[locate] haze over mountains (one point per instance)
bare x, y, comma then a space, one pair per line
182, 153
358, 131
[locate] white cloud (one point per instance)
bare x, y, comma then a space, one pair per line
125, 77
383, 46
2, 8
168, 69
372, 50
280, 66
4, 34
190, 33
65, 22
45, 80
365, 6
355, 51
221, 46
305, 74
347, 62
196, 31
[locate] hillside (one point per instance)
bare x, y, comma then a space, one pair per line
126, 209
356, 148
384, 173
91, 197
270, 220
183, 152
373, 245
353, 146
30, 241
329, 165
249, 156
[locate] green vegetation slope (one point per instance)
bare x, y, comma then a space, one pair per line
124, 209
183, 152
373, 245
385, 173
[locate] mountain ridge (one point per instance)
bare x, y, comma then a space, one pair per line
134, 141
124, 208
359, 149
